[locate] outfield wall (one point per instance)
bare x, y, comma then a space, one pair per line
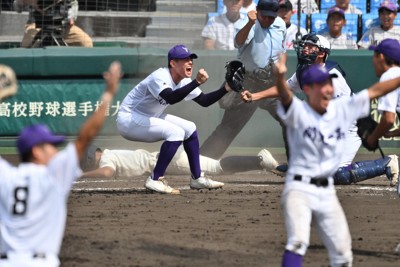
61, 86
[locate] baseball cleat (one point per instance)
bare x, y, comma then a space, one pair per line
394, 169
268, 162
160, 186
204, 183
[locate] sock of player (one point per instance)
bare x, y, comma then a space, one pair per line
167, 152
291, 259
191, 146
234, 164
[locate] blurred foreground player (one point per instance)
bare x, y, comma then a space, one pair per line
33, 195
316, 130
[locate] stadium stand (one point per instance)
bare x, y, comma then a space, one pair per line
372, 19
303, 20
360, 4
318, 24
160, 23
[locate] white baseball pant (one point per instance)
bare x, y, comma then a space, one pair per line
137, 127
302, 203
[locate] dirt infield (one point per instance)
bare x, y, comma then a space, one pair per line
116, 223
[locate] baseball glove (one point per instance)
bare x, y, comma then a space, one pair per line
8, 82
365, 127
234, 76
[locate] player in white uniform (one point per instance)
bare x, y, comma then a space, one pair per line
388, 60
286, 12
316, 49
316, 131
110, 163
34, 194
142, 117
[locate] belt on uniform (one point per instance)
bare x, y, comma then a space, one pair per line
4, 256
324, 182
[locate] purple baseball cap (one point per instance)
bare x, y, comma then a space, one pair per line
180, 52
268, 7
35, 135
389, 47
336, 9
316, 73
389, 5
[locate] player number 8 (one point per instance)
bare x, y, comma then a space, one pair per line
21, 197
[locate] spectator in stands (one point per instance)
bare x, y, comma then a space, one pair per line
347, 7
246, 7
285, 11
219, 32
72, 34
336, 20
386, 29
306, 6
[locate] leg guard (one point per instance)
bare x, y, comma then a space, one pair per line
363, 170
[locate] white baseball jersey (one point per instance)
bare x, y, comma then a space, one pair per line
130, 163
306, 6
341, 89
317, 141
391, 101
33, 203
144, 98
340, 42
221, 30
291, 35
375, 35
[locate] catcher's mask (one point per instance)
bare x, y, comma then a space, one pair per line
314, 39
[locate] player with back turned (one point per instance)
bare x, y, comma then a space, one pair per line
316, 129
34, 194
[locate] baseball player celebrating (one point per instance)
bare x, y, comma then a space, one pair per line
142, 118
316, 129
315, 49
110, 163
388, 58
33, 195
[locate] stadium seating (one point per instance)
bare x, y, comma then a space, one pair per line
374, 6
303, 20
372, 19
318, 24
360, 4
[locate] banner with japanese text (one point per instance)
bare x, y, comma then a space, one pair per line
63, 105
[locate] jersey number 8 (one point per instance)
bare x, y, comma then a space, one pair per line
21, 197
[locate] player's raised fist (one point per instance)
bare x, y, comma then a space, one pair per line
202, 76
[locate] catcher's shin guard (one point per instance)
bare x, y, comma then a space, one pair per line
363, 170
